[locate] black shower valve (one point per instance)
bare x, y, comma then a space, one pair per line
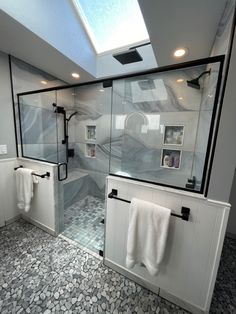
191, 183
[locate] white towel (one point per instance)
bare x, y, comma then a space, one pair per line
147, 234
25, 187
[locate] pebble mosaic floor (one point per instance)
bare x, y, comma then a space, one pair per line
43, 274
82, 222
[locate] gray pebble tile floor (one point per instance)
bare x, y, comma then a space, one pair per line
82, 223
43, 274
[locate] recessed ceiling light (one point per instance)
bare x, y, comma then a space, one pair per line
101, 90
180, 52
44, 82
179, 80
180, 98
75, 75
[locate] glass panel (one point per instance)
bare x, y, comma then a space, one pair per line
160, 126
38, 123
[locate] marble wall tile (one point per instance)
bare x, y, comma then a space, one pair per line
139, 108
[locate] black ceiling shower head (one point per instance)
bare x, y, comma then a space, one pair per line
194, 83
128, 56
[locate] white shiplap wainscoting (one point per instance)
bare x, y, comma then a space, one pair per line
8, 208
188, 272
44, 205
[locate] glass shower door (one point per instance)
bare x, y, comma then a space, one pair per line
88, 110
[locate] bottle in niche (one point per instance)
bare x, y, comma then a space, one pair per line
166, 160
176, 161
88, 134
92, 152
171, 161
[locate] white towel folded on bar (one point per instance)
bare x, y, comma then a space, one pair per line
147, 234
25, 187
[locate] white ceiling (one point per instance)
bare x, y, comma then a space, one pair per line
17, 40
181, 23
189, 23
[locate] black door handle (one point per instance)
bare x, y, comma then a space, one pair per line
60, 177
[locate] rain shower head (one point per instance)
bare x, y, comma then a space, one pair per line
194, 83
128, 56
131, 55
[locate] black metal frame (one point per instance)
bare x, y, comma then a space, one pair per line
13, 104
107, 81
177, 66
185, 211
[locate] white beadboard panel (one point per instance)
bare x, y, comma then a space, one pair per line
44, 205
8, 208
193, 248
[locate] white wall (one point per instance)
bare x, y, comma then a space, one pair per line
231, 229
8, 210
225, 154
7, 135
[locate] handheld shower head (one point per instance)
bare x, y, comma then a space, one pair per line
194, 83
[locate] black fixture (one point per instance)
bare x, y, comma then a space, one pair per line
185, 211
194, 83
73, 114
58, 109
129, 56
71, 152
47, 174
61, 110
191, 183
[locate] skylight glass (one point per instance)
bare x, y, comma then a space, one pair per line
112, 24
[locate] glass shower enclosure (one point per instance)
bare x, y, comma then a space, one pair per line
155, 127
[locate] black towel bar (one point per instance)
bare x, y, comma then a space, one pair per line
47, 174
185, 211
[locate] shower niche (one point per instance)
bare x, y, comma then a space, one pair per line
90, 133
90, 150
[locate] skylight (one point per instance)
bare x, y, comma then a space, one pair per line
112, 24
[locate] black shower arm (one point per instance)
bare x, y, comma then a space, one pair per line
203, 73
68, 119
